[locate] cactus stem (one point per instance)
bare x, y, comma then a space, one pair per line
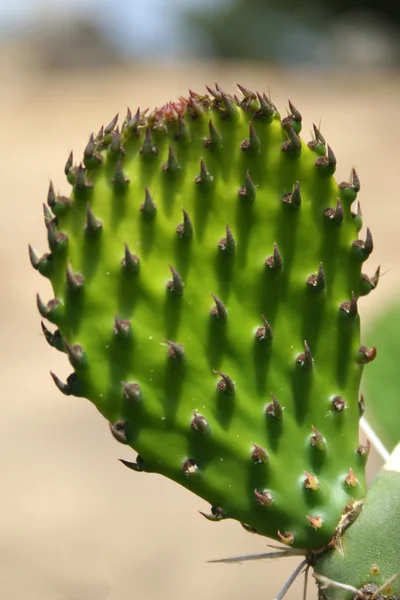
190, 467
227, 244
131, 391
198, 422
219, 311
264, 332
225, 384
185, 229
275, 261
176, 284
263, 498
148, 207
120, 431
130, 262
259, 454
175, 351
274, 408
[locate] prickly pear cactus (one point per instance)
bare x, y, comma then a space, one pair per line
206, 271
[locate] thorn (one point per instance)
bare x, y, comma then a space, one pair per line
148, 207
317, 439
248, 528
75, 281
229, 104
274, 409
264, 332
183, 132
130, 262
69, 163
55, 238
335, 214
176, 284
53, 339
34, 257
120, 431
369, 244
219, 311
327, 161
263, 498
93, 226
286, 538
81, 183
111, 126
249, 189
90, 147
374, 280
293, 144
249, 95
253, 143
185, 229
305, 359
51, 197
214, 140
171, 166
175, 351
119, 178
135, 466
132, 391
147, 148
350, 308
317, 280
354, 182
364, 451
63, 387
293, 198
315, 522
318, 135
190, 467
311, 482
122, 327
225, 384
275, 261
76, 355
115, 145
358, 212
217, 514
48, 216
46, 309
366, 355
266, 109
227, 244
259, 454
351, 480
199, 423
361, 405
204, 177
294, 112
338, 404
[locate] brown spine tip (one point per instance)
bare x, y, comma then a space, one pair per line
131, 391
361, 405
366, 355
69, 164
317, 440
119, 179
305, 359
214, 140
225, 384
81, 181
198, 422
310, 482
46, 309
350, 479
175, 351
148, 149
295, 114
75, 354
259, 454
374, 280
34, 257
93, 226
293, 144
253, 143
266, 107
148, 207
176, 284
293, 198
315, 522
63, 387
111, 126
286, 538
248, 94
190, 467
275, 261
338, 404
219, 311
116, 146
185, 229
369, 244
274, 408
228, 244
263, 498
327, 161
134, 466
317, 280
122, 327
120, 431
171, 166
350, 307
364, 451
130, 262
47, 214
335, 214
217, 514
51, 196
248, 190
75, 281
204, 178
264, 332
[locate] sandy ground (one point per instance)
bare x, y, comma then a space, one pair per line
74, 524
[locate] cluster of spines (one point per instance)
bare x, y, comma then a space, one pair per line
111, 140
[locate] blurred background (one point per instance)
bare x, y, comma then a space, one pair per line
74, 524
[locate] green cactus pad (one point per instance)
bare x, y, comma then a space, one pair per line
206, 270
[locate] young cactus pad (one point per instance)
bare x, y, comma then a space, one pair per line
206, 270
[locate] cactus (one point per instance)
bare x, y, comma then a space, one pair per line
206, 271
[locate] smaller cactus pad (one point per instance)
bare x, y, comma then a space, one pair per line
206, 270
